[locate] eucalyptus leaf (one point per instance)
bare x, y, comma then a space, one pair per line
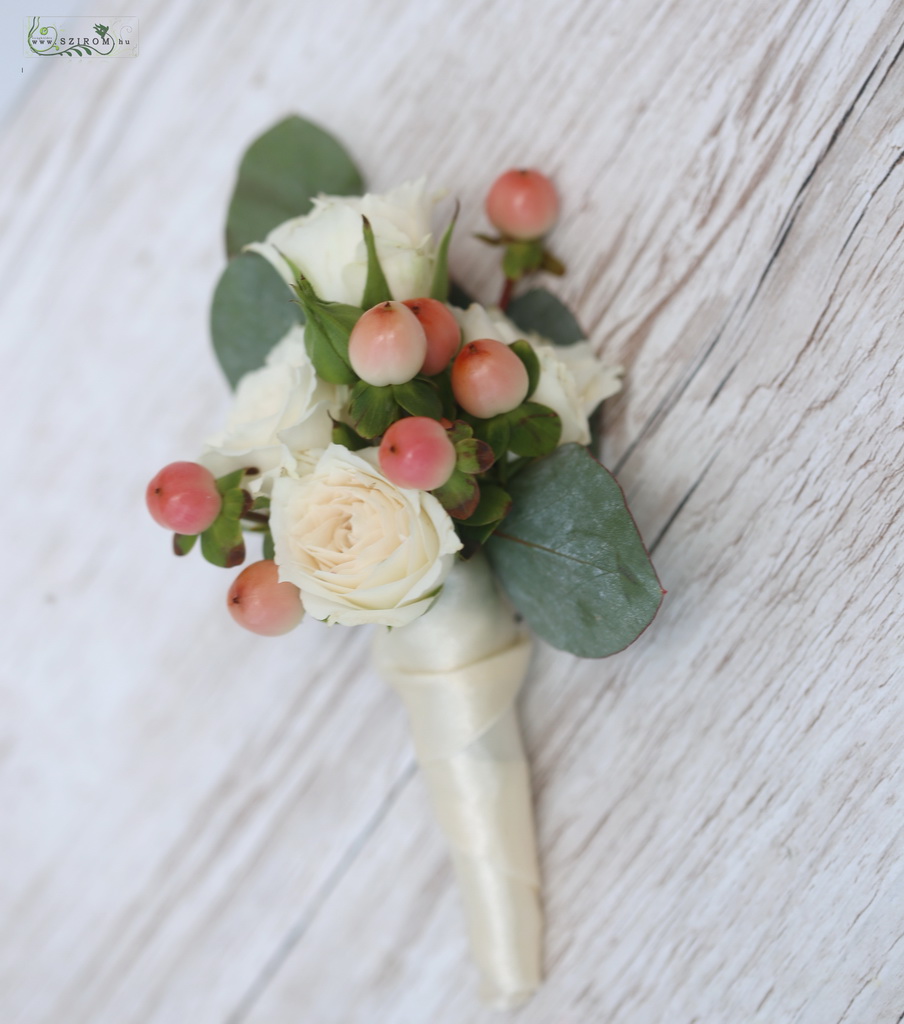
540, 311
376, 287
571, 559
252, 310
280, 173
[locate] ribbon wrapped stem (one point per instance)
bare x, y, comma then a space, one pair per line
458, 670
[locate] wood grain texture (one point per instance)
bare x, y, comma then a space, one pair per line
208, 827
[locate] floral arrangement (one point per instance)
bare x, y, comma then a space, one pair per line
412, 459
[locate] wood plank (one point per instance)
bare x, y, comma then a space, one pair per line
205, 826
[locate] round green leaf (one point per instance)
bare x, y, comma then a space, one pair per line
570, 557
539, 310
252, 310
280, 174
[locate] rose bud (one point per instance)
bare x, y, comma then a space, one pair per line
387, 345
183, 497
442, 331
259, 602
416, 452
488, 378
522, 204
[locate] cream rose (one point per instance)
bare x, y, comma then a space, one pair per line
359, 548
280, 418
327, 244
573, 381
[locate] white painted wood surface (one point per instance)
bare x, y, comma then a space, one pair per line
200, 826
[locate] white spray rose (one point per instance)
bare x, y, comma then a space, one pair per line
327, 244
280, 418
573, 381
359, 548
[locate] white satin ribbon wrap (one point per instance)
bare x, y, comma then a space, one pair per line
459, 668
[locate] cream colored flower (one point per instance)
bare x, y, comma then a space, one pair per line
359, 548
573, 381
280, 418
327, 244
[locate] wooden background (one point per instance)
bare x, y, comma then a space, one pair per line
203, 827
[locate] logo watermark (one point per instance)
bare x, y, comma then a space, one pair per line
81, 37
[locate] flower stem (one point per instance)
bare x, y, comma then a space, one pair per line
506, 296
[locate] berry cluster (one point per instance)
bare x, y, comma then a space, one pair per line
450, 419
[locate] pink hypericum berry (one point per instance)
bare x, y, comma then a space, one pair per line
183, 497
488, 378
259, 602
522, 204
442, 330
387, 345
417, 452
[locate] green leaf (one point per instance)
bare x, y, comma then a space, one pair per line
496, 432
420, 398
183, 542
539, 310
372, 409
267, 550
260, 503
535, 429
473, 455
460, 431
494, 505
551, 264
229, 482
280, 174
525, 352
443, 383
473, 536
222, 542
570, 557
326, 335
522, 258
458, 297
459, 495
376, 287
344, 435
439, 288
252, 310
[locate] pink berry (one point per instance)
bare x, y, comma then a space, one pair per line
417, 452
522, 204
259, 602
183, 497
488, 378
442, 330
387, 345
